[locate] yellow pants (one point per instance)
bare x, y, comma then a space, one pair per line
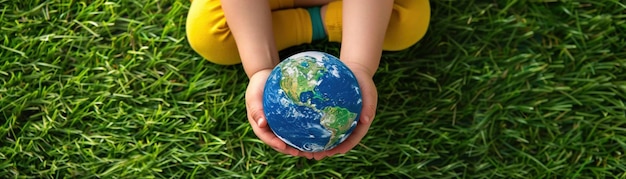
209, 35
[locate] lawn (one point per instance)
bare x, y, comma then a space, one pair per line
496, 89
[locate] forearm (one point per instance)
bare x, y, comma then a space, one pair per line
364, 26
251, 25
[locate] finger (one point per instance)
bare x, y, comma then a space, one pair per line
357, 134
331, 153
261, 128
370, 100
355, 137
263, 132
319, 155
262, 122
259, 124
292, 151
369, 111
307, 155
266, 135
256, 115
254, 104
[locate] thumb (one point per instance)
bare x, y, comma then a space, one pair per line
254, 98
256, 116
259, 124
370, 100
368, 112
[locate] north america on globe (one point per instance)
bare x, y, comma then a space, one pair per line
312, 101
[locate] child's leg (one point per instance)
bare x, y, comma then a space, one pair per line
209, 35
408, 24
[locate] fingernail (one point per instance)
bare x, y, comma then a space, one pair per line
259, 122
366, 119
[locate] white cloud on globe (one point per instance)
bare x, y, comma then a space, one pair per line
310, 74
296, 114
334, 71
351, 75
284, 102
325, 133
290, 70
356, 89
275, 77
313, 147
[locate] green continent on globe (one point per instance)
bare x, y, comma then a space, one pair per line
300, 78
337, 120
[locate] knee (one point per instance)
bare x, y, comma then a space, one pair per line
211, 47
209, 36
408, 24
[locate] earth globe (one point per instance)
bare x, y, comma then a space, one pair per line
312, 101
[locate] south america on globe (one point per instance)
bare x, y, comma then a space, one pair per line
312, 101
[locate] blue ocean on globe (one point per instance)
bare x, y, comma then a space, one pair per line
312, 101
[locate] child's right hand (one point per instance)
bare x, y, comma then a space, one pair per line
256, 116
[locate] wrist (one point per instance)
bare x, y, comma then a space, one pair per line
254, 66
361, 68
252, 72
259, 72
360, 60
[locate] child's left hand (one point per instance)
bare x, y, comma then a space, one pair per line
368, 112
256, 116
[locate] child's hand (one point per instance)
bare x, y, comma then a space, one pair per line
370, 101
361, 49
256, 116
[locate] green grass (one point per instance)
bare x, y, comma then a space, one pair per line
497, 89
